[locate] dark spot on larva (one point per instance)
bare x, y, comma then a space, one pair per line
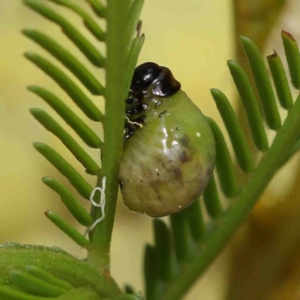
127, 180
157, 173
162, 114
185, 141
184, 157
142, 180
170, 160
177, 173
177, 128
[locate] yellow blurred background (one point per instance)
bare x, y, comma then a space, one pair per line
194, 38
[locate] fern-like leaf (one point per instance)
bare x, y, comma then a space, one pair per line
182, 252
124, 42
195, 243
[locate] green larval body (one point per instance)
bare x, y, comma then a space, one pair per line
167, 163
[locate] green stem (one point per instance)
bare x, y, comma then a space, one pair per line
284, 140
113, 130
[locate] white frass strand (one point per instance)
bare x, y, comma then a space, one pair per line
101, 204
134, 123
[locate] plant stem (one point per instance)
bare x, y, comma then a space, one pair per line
282, 144
113, 129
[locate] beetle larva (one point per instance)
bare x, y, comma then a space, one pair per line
169, 148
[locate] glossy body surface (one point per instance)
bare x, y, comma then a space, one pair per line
167, 163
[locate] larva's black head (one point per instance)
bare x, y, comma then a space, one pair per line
144, 75
159, 80
149, 79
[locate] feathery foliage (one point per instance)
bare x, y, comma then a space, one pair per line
196, 244
181, 253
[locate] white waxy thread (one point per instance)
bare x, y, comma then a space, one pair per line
198, 134
134, 123
101, 204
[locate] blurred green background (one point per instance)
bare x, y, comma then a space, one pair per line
194, 38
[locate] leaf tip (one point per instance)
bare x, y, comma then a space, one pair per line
29, 55
245, 39
31, 88
48, 213
273, 55
213, 90
25, 31
38, 146
47, 180
288, 35
34, 111
231, 63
